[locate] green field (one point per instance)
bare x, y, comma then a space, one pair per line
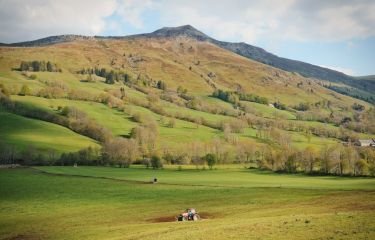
112, 203
23, 132
268, 112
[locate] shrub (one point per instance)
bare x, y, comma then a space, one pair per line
210, 159
51, 92
156, 162
172, 123
25, 90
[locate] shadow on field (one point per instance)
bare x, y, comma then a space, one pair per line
173, 218
23, 237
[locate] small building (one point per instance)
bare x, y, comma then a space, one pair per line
365, 143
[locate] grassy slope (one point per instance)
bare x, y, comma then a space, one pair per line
95, 208
22, 132
269, 112
184, 132
121, 123
168, 61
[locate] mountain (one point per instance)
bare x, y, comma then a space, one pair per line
48, 40
261, 55
177, 83
368, 78
357, 86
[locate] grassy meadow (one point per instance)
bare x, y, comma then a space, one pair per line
24, 132
235, 203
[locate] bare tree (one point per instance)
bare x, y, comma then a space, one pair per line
121, 151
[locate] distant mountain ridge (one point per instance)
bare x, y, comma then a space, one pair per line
243, 49
48, 40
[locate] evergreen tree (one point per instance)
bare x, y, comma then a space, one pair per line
103, 72
36, 66
49, 67
126, 77
110, 78
210, 160
161, 85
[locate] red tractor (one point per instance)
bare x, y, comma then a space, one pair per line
189, 215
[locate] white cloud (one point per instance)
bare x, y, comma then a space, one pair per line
236, 20
26, 20
273, 20
347, 71
132, 10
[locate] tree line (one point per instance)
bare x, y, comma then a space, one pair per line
69, 117
39, 66
235, 97
110, 76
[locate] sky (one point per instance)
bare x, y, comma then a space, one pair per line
337, 34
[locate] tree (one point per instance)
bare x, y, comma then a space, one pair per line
126, 78
4, 90
145, 136
25, 90
36, 66
325, 159
181, 90
110, 77
198, 121
24, 66
210, 159
291, 163
227, 132
161, 85
358, 107
156, 162
102, 72
309, 159
172, 123
49, 66
361, 167
121, 151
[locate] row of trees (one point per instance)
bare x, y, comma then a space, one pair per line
39, 66
234, 97
70, 117
119, 152
110, 76
336, 160
264, 125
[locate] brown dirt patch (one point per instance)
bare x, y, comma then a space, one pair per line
173, 218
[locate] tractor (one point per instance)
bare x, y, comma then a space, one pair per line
189, 215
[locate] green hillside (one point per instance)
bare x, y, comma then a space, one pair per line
24, 132
179, 99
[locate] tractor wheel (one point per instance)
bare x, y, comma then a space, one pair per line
196, 217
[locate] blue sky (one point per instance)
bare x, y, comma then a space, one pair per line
338, 34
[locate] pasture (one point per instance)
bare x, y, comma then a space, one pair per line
236, 203
23, 132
